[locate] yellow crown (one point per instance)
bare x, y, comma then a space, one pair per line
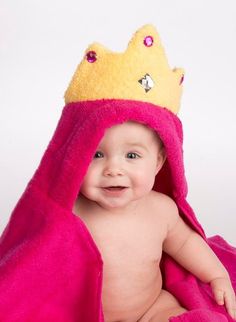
140, 73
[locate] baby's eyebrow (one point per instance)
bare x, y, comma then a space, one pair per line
136, 144
129, 145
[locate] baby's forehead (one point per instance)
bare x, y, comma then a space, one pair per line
132, 130
139, 127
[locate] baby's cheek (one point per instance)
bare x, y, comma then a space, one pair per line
144, 180
86, 183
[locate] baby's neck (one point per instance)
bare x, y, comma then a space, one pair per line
85, 206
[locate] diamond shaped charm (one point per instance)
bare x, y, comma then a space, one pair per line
146, 82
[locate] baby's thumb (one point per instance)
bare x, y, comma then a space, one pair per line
219, 296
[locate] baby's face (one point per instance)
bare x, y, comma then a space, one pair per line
124, 166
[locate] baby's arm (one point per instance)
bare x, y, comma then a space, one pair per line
191, 251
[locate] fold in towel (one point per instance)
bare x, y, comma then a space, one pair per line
199, 316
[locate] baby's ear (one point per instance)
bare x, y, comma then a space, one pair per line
161, 158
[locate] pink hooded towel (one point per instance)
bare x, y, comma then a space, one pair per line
50, 267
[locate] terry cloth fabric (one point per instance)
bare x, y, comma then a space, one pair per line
50, 267
201, 315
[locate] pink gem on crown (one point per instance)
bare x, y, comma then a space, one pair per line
148, 41
181, 80
91, 56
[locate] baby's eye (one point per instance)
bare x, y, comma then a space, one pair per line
98, 154
132, 155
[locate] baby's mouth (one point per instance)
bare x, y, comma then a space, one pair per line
114, 188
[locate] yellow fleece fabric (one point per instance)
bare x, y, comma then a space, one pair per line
117, 75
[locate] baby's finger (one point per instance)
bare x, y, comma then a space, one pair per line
230, 304
232, 313
219, 296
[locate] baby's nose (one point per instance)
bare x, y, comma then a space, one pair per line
113, 168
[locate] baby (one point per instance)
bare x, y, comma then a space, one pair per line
132, 224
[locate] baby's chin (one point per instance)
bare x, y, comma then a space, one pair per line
116, 206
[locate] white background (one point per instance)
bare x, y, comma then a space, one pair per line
41, 43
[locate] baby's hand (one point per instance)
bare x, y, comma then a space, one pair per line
224, 294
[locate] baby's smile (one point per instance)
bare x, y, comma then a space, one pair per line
115, 190
115, 187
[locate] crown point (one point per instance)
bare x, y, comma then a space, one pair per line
148, 41
91, 56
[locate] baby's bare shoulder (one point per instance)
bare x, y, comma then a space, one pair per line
164, 208
168, 208
165, 202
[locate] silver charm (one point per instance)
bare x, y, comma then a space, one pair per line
146, 82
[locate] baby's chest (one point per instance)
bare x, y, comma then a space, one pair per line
128, 242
